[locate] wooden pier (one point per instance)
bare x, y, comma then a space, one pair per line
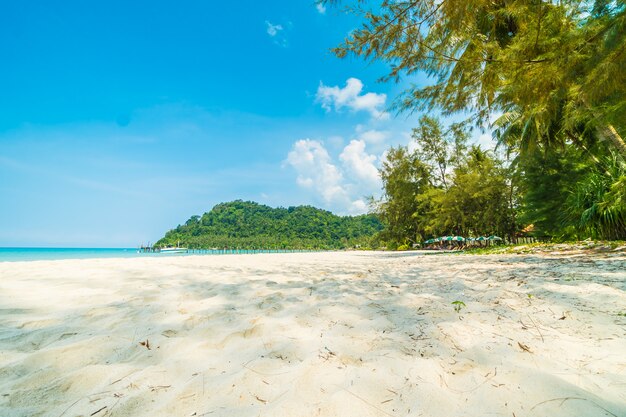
224, 251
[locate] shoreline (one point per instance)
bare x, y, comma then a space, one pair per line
57, 254
333, 333
583, 247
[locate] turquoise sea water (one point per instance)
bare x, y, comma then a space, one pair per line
51, 254
48, 254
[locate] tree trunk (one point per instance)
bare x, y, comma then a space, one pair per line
609, 133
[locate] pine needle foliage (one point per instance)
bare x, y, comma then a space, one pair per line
559, 65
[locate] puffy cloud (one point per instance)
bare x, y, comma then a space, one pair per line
352, 98
339, 186
316, 170
374, 137
358, 206
272, 29
359, 163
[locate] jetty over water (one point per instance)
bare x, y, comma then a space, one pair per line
222, 251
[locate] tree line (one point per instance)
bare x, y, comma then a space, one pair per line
249, 225
547, 78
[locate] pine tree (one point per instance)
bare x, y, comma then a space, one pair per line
558, 65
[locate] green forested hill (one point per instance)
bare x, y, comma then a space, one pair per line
246, 225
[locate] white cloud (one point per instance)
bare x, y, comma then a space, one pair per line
316, 170
359, 163
321, 8
305, 182
272, 29
335, 186
358, 206
339, 185
350, 97
374, 137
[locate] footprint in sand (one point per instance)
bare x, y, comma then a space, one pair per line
272, 303
169, 333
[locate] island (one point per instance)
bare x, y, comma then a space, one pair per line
249, 225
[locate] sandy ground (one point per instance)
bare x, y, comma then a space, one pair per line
322, 334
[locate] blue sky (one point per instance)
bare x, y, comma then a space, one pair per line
120, 120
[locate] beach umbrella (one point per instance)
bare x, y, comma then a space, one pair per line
438, 239
429, 241
480, 238
492, 237
458, 239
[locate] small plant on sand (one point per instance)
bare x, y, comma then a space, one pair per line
458, 305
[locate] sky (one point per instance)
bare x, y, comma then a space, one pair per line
120, 120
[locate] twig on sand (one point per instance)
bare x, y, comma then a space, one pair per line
261, 400
245, 365
72, 405
524, 347
488, 378
96, 412
563, 399
157, 388
79, 400
209, 412
536, 327
368, 403
110, 410
125, 376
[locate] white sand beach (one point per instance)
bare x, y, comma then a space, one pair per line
315, 334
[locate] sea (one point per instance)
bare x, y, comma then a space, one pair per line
53, 254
